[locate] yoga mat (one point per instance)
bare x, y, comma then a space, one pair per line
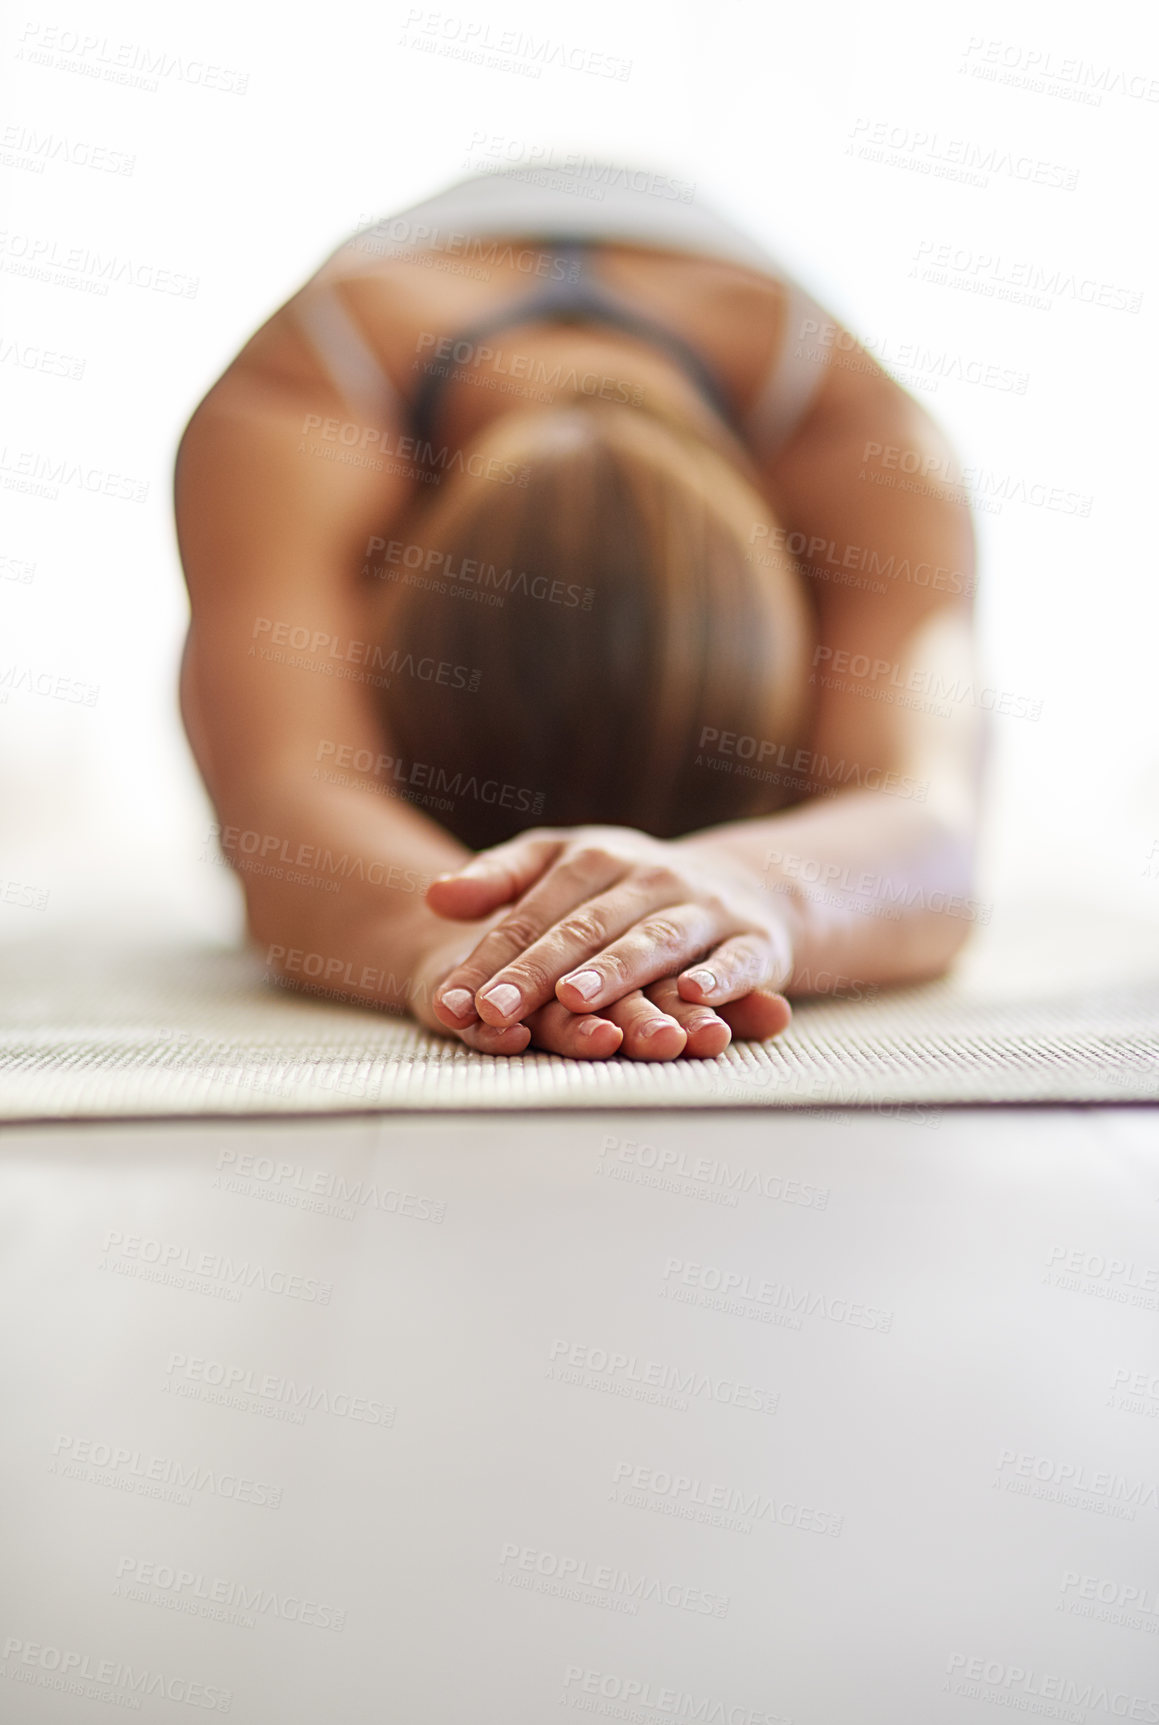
1043, 1006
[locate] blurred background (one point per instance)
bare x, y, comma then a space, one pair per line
963, 189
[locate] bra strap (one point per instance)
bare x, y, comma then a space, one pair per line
793, 379
346, 356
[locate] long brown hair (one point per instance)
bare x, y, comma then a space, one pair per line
595, 616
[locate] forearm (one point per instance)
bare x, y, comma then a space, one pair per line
335, 889
302, 789
334, 876
333, 858
334, 864
353, 837
875, 889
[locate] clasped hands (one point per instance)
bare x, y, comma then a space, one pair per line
613, 942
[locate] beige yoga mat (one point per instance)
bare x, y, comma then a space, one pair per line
1049, 1006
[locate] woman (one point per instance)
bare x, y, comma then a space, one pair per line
559, 623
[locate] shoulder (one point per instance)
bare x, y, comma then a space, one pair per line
856, 410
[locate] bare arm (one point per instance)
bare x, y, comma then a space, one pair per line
876, 879
272, 539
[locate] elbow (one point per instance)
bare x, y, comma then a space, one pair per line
947, 912
940, 942
948, 920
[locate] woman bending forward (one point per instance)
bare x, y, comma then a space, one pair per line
581, 644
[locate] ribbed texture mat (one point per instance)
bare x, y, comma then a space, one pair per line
91, 1034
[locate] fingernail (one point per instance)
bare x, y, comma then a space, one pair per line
705, 980
589, 1026
655, 1025
587, 983
459, 1001
503, 997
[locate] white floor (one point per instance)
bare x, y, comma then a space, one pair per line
844, 1418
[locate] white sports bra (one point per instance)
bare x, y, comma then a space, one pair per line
512, 202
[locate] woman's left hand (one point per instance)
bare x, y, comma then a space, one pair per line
615, 942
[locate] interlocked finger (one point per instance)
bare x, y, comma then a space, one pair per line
563, 891
649, 1033
734, 969
661, 944
583, 1036
708, 1034
637, 907
485, 1039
